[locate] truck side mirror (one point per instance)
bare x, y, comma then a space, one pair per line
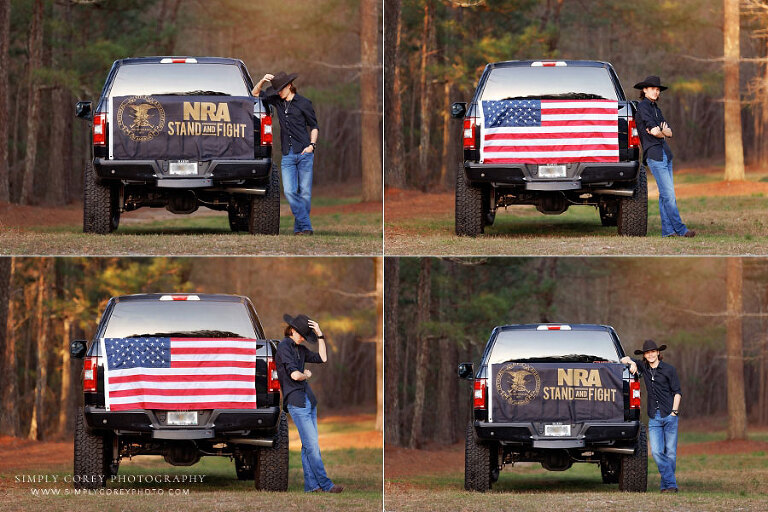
77, 348
466, 371
458, 110
83, 110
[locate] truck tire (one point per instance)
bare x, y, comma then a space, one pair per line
239, 213
477, 462
633, 473
101, 214
265, 210
610, 467
633, 211
271, 472
244, 465
469, 206
90, 471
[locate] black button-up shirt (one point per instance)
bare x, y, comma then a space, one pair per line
661, 384
649, 116
296, 117
291, 358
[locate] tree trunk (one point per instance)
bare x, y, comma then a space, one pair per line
5, 171
445, 161
445, 377
737, 412
369, 100
65, 393
9, 417
392, 344
425, 97
424, 301
41, 330
734, 150
379, 262
33, 113
393, 114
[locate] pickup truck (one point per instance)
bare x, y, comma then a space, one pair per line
550, 134
180, 133
554, 394
182, 376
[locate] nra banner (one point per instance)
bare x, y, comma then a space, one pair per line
557, 392
181, 127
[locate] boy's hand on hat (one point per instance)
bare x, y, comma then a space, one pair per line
268, 77
313, 325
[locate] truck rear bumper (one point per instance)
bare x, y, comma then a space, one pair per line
583, 176
583, 434
220, 421
155, 172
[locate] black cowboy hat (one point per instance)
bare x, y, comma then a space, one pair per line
649, 345
651, 81
280, 80
301, 324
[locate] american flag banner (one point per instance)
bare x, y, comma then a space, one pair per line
550, 131
179, 373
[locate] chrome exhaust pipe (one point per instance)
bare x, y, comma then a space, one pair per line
611, 449
614, 192
267, 443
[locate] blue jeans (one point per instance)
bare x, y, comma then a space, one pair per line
671, 223
305, 419
663, 435
297, 185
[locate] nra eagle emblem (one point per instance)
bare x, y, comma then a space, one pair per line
518, 383
141, 118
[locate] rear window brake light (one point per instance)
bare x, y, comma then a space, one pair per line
553, 328
178, 61
545, 63
179, 297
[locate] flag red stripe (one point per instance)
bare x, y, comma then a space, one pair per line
212, 364
551, 160
179, 378
242, 340
212, 350
547, 102
552, 135
183, 406
597, 110
550, 149
181, 392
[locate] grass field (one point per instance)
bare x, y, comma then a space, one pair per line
725, 224
708, 482
340, 229
358, 469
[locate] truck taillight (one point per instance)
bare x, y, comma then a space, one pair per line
266, 130
90, 373
634, 138
634, 394
273, 385
481, 393
470, 127
100, 129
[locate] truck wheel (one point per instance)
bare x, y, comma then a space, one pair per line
265, 210
271, 473
469, 206
633, 473
609, 469
633, 211
101, 214
90, 470
477, 462
244, 465
239, 213
609, 214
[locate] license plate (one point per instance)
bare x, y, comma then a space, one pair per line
557, 430
182, 417
551, 171
182, 168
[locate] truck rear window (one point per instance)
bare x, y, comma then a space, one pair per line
553, 346
178, 319
159, 79
556, 82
